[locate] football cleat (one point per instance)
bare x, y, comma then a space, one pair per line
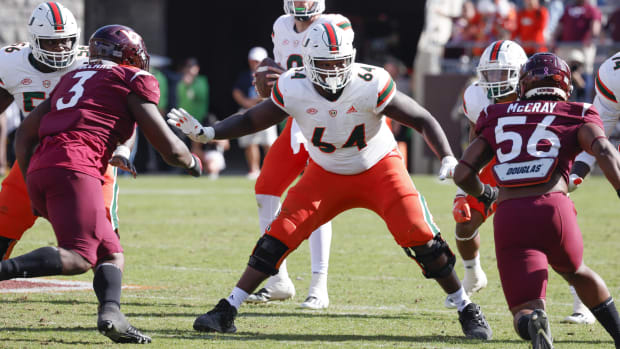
539, 330
115, 326
474, 324
219, 319
474, 280
315, 303
580, 318
276, 289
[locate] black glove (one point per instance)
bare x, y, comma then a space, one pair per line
488, 197
195, 170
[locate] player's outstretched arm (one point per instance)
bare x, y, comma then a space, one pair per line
154, 127
255, 119
593, 140
27, 136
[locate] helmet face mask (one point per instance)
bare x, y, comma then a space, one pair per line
545, 76
328, 55
304, 10
52, 21
498, 69
120, 44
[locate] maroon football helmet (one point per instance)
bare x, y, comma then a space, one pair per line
545, 76
119, 44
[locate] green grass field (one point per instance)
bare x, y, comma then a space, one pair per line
188, 240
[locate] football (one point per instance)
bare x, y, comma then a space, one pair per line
261, 82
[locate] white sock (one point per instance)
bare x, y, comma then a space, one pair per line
318, 285
268, 207
320, 242
460, 298
472, 263
237, 296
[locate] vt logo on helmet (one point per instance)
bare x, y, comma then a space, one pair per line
498, 69
328, 55
120, 44
304, 10
54, 25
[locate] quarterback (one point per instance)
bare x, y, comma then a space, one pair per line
339, 106
288, 157
28, 74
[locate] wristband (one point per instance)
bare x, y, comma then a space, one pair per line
122, 151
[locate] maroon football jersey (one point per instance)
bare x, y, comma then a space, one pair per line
533, 138
89, 117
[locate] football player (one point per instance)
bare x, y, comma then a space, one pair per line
28, 73
288, 157
534, 142
63, 148
498, 76
339, 106
607, 82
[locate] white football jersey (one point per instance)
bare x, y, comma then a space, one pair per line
287, 42
474, 101
287, 53
347, 136
28, 85
607, 99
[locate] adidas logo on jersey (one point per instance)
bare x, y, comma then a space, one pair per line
352, 110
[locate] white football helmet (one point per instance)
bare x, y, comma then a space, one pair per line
51, 20
498, 69
311, 8
328, 42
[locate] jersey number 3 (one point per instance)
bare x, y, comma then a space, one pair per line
77, 89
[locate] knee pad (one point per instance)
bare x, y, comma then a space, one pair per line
267, 254
427, 258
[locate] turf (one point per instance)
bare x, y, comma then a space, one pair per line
188, 240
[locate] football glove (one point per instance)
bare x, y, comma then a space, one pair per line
460, 209
120, 159
195, 169
573, 182
488, 197
182, 120
448, 163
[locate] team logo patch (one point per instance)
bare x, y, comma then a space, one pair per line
285, 42
49, 286
333, 113
352, 110
26, 81
47, 83
311, 111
